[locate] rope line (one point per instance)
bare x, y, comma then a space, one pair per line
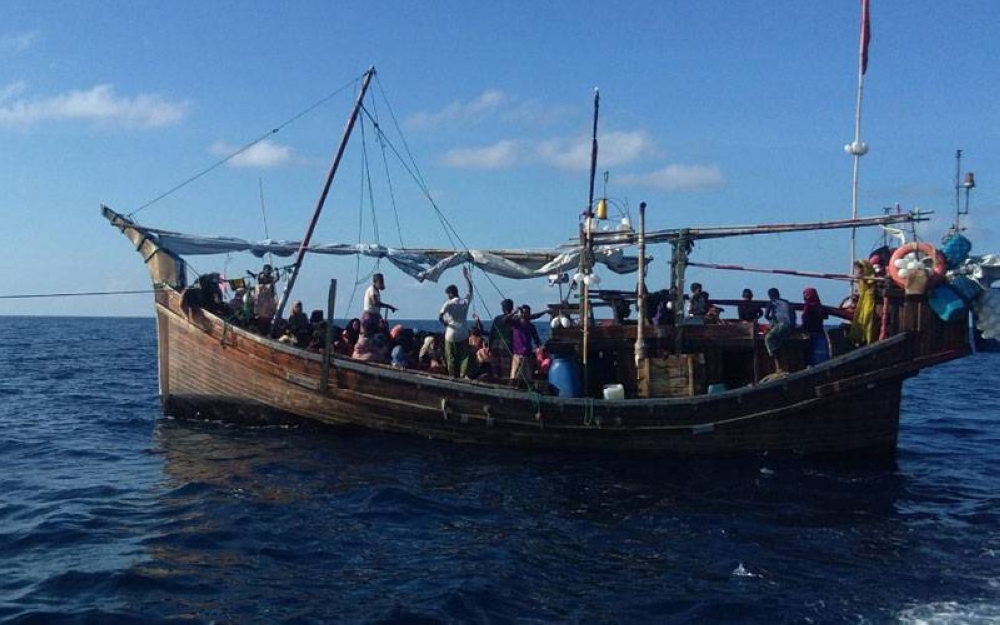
410, 166
246, 147
80, 294
388, 178
366, 182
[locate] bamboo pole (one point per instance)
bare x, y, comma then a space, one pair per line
718, 232
857, 149
640, 297
784, 272
331, 300
680, 268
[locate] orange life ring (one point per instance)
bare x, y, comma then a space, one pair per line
929, 259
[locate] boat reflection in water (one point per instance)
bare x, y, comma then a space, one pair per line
314, 523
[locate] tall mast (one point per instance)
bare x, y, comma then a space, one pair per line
326, 189
586, 255
858, 148
593, 152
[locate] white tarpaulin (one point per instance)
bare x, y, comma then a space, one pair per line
422, 265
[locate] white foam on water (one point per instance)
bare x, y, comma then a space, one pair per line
951, 613
742, 571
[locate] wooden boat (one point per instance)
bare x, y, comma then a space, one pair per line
690, 389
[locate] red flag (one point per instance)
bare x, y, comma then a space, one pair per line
866, 35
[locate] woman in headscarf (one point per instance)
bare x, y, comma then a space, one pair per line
345, 344
863, 330
813, 312
813, 315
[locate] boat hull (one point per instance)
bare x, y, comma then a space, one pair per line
850, 405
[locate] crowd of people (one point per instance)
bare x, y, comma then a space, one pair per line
777, 312
509, 350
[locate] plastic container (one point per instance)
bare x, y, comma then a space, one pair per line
716, 388
564, 375
614, 391
945, 302
966, 288
956, 249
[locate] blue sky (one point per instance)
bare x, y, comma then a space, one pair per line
712, 112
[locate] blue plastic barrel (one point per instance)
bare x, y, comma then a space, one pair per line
564, 375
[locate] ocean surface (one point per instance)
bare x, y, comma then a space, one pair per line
110, 512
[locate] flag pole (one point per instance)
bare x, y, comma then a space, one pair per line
858, 148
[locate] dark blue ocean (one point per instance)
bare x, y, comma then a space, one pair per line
110, 512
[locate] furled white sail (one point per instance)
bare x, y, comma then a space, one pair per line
421, 264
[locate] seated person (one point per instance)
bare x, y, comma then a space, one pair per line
479, 350
298, 324
747, 309
432, 353
621, 309
317, 331
370, 348
543, 360
345, 344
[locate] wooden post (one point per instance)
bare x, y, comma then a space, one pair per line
680, 268
328, 340
585, 302
640, 296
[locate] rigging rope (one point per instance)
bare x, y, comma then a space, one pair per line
388, 178
414, 171
78, 294
246, 147
410, 166
366, 179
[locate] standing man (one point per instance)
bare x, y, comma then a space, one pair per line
453, 316
525, 339
779, 313
501, 339
371, 316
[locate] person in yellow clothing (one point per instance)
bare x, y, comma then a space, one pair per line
863, 329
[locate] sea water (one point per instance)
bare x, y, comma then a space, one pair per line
110, 512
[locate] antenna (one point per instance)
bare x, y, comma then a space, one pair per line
968, 183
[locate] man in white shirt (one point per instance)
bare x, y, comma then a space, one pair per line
453, 315
371, 315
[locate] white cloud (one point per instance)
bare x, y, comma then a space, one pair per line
460, 112
490, 103
501, 155
20, 42
98, 104
615, 148
12, 90
678, 178
534, 113
265, 154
